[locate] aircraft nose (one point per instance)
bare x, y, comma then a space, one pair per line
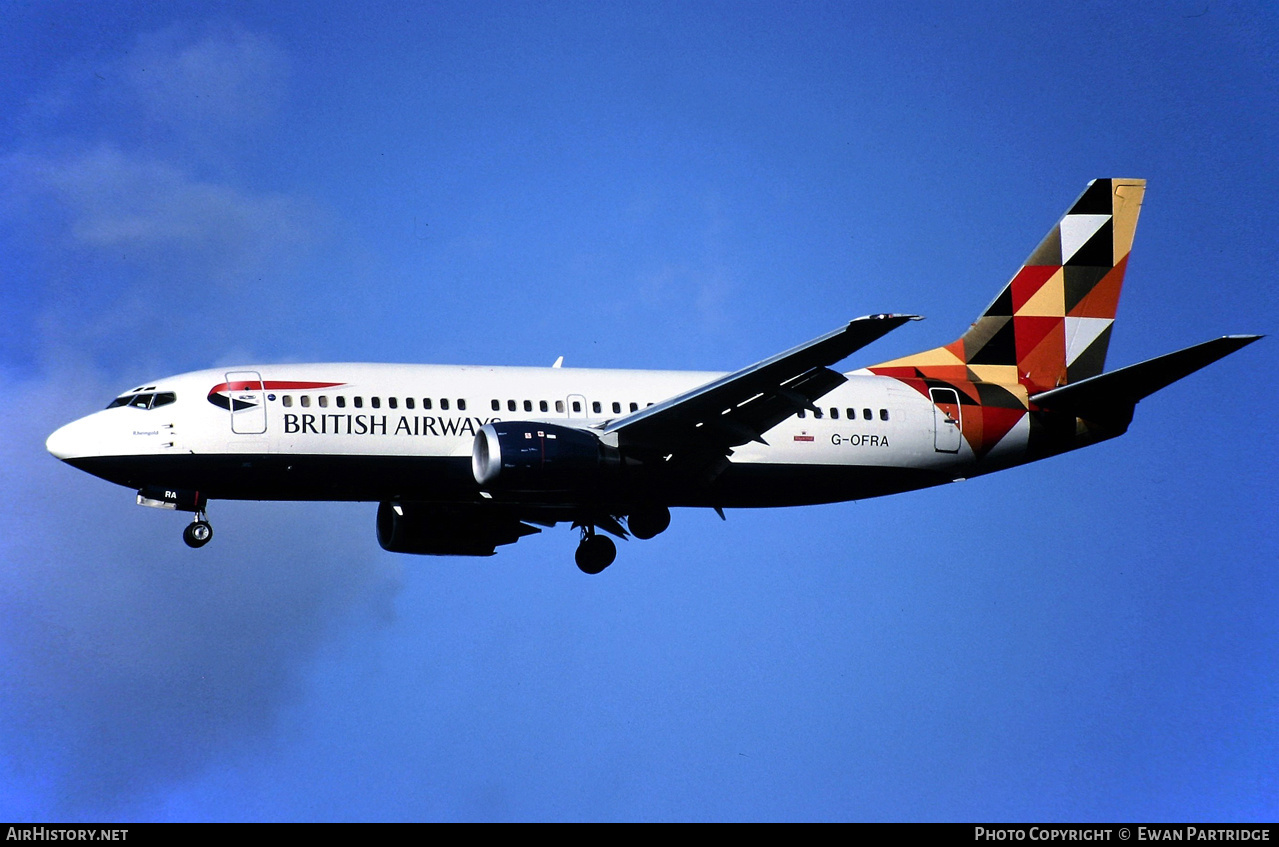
69, 442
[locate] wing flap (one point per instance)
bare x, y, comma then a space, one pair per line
740, 407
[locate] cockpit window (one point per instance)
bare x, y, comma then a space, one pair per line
145, 401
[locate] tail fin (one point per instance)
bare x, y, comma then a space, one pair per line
1050, 326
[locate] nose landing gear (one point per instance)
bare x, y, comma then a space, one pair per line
199, 532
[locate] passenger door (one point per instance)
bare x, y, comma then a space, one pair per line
248, 402
947, 423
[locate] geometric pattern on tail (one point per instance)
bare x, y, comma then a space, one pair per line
1051, 323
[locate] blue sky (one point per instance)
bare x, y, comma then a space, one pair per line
656, 185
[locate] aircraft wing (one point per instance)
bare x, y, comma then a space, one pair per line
740, 407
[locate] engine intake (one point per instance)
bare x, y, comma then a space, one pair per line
524, 456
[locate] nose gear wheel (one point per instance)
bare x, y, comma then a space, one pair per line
199, 532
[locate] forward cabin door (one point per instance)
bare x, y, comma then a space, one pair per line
947, 423
248, 402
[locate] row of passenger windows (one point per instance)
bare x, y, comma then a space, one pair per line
154, 400
850, 414
543, 406
339, 401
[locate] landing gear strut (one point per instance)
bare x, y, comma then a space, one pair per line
199, 532
596, 552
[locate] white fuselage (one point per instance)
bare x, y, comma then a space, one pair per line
314, 429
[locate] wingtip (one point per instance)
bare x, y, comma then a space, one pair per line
1240, 340
887, 316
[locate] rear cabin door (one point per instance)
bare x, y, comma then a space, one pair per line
947, 423
248, 402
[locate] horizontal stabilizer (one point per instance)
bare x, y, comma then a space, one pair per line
1118, 391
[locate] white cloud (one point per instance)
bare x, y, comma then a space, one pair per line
151, 242
131, 661
127, 660
160, 215
221, 82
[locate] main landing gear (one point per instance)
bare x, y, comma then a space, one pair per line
199, 532
595, 552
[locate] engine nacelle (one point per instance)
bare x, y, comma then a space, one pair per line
524, 456
429, 530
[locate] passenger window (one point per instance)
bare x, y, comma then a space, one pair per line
577, 406
496, 405
617, 407
595, 407
461, 405
286, 401
359, 402
883, 414
635, 407
867, 415
510, 405
341, 401
851, 413
541, 405
528, 405
305, 400
834, 413
426, 403
444, 403
817, 413
392, 403
375, 402
408, 402
559, 406
801, 414
323, 401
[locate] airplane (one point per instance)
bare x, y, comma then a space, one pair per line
463, 460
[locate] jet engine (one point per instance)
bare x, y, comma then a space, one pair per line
524, 456
431, 530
